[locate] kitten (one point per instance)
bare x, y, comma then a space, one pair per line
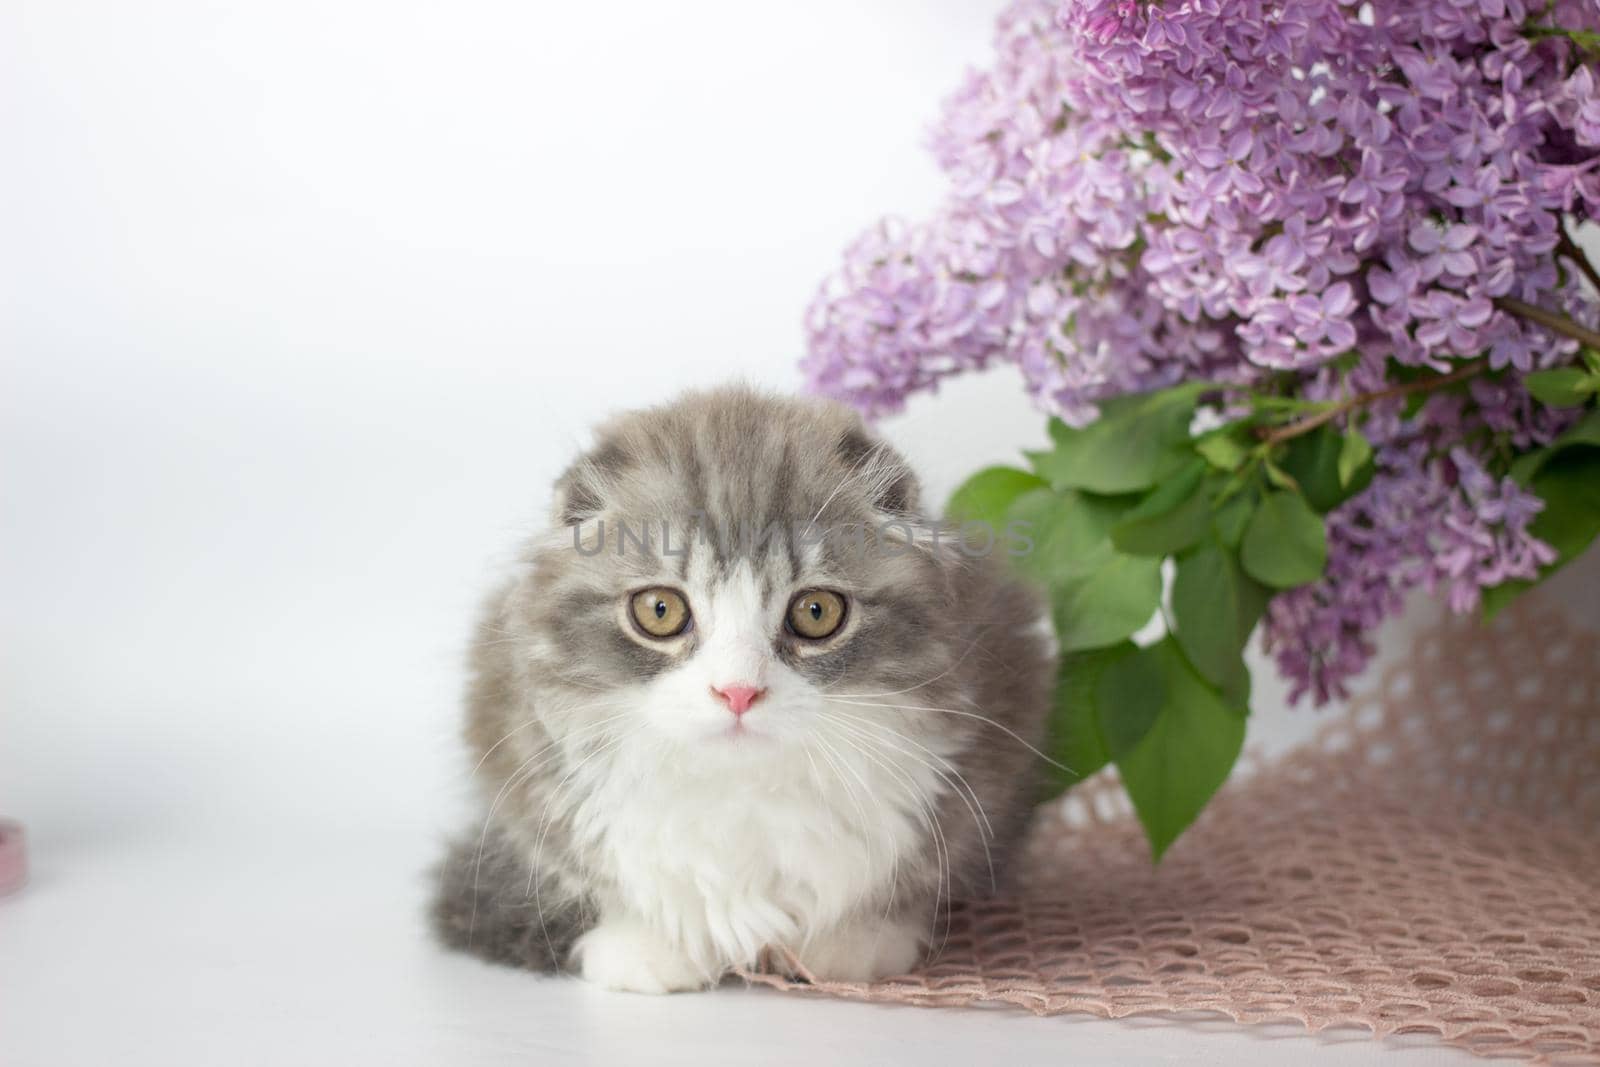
739, 698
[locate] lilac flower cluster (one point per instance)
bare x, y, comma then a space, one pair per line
1247, 191
1442, 522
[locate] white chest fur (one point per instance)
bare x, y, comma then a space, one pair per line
758, 852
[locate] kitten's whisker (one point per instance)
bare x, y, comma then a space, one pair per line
476, 767
964, 790
817, 780
535, 888
554, 741
568, 679
980, 818
927, 681
850, 475
485, 628
599, 687
834, 829
921, 538
861, 811
917, 806
524, 770
816, 772
965, 714
500, 641
986, 826
535, 722
945, 880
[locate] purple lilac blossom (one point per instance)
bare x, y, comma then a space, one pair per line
1147, 192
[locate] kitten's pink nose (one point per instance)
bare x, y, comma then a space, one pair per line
738, 697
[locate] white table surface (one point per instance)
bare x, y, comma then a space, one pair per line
299, 949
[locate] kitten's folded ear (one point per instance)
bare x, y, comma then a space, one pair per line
582, 490
890, 485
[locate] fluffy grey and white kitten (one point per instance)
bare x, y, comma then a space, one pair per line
739, 697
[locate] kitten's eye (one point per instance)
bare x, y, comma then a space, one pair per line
816, 613
660, 612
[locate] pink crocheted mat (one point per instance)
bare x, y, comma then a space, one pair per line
1428, 865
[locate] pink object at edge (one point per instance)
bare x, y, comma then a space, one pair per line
13, 857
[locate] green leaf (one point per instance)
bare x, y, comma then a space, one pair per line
1497, 597
1223, 449
1099, 595
1128, 698
1173, 517
1585, 432
1327, 468
1563, 387
1071, 531
1229, 520
1235, 689
1569, 485
1127, 448
1346, 363
989, 494
1215, 607
1284, 544
1280, 477
1107, 604
1073, 737
1355, 455
1184, 756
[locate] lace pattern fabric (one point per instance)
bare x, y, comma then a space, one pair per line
1428, 865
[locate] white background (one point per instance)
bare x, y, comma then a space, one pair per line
302, 308
306, 305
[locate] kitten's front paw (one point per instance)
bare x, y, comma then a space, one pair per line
862, 951
627, 956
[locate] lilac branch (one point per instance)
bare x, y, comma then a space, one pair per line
1573, 251
1299, 427
1553, 321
